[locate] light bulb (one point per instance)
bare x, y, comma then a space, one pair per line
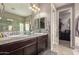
34, 10
34, 5
38, 9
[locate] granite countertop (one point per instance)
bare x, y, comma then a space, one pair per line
19, 37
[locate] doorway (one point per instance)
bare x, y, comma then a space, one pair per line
64, 27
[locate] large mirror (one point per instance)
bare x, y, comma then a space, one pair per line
40, 22
20, 17
16, 17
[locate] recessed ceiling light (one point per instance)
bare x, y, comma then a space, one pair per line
13, 8
10, 19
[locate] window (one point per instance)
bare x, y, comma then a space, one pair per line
27, 27
21, 27
10, 27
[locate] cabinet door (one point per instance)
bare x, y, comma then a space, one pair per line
46, 43
31, 49
41, 45
18, 52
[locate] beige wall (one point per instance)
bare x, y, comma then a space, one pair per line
45, 11
46, 7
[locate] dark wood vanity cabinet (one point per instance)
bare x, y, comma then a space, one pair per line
30, 50
30, 46
17, 52
26, 49
42, 43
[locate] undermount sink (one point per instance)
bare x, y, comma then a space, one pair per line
40, 33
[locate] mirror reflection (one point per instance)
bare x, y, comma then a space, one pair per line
18, 18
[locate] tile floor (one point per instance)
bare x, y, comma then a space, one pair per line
62, 50
49, 52
59, 50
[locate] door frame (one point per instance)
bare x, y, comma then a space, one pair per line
71, 24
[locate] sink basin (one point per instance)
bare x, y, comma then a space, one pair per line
40, 33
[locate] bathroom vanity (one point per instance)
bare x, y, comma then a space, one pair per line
24, 45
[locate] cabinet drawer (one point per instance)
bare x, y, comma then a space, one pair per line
17, 52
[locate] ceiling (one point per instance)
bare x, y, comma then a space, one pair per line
21, 9
60, 4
